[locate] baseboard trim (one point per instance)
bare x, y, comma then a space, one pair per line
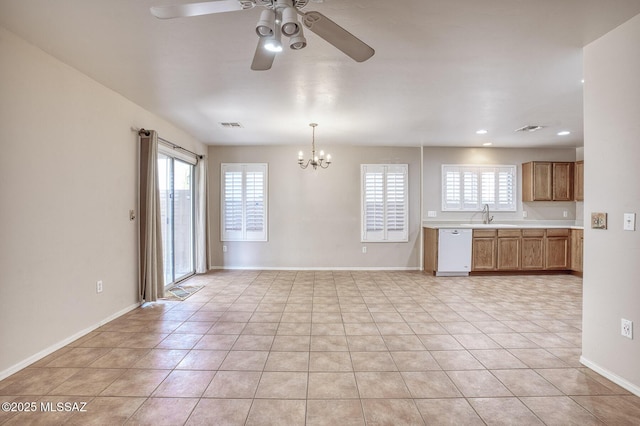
634, 389
51, 349
315, 268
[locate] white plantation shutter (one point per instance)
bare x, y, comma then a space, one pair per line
385, 202
374, 203
470, 187
505, 189
452, 189
232, 204
488, 179
244, 202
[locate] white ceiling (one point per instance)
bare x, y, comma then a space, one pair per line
442, 69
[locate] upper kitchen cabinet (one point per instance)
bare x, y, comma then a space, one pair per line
578, 190
547, 181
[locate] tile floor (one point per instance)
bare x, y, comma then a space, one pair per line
333, 348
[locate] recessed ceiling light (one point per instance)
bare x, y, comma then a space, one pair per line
487, 144
482, 132
564, 133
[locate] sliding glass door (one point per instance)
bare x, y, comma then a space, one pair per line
177, 210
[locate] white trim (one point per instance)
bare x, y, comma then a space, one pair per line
611, 376
317, 268
59, 345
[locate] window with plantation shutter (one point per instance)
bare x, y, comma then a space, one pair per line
244, 202
385, 202
470, 187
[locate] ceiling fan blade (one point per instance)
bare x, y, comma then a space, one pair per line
333, 33
263, 59
197, 9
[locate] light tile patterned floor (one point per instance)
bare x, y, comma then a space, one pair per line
334, 348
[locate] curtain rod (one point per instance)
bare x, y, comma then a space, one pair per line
173, 145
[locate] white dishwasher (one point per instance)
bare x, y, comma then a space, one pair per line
454, 252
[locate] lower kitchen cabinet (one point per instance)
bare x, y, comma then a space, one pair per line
521, 250
557, 249
533, 249
509, 245
484, 250
512, 250
577, 250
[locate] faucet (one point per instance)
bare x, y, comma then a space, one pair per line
486, 219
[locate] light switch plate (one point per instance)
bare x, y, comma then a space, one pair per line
629, 221
431, 213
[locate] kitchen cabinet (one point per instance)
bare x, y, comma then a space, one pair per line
578, 187
562, 181
577, 250
430, 239
484, 250
532, 249
508, 250
537, 181
547, 181
557, 249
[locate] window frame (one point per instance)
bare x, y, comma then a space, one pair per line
477, 174
244, 234
385, 234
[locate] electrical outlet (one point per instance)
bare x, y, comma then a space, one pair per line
524, 213
132, 215
626, 328
224, 249
364, 249
99, 287
565, 214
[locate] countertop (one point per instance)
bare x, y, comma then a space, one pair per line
524, 224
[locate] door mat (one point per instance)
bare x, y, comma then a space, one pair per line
182, 292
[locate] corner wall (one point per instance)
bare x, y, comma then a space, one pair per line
612, 176
68, 177
314, 215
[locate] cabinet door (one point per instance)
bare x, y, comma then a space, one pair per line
533, 251
430, 250
578, 183
562, 181
557, 252
576, 249
508, 253
484, 254
537, 181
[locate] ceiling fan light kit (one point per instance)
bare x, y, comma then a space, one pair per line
290, 26
266, 24
274, 44
298, 41
279, 18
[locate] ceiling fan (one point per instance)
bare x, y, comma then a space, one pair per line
279, 18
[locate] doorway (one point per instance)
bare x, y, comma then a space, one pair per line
177, 207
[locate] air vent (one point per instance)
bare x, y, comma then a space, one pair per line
231, 125
529, 128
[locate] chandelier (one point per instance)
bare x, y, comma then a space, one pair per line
315, 160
